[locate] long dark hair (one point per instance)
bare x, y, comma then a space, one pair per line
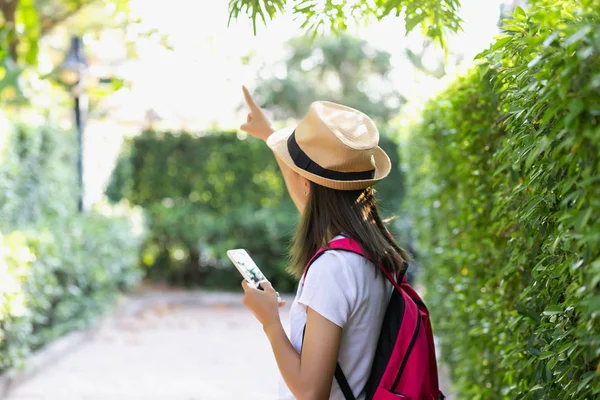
354, 214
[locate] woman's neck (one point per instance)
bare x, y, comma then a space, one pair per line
332, 234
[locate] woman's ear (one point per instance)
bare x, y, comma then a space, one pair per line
305, 186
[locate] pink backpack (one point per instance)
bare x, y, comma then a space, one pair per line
404, 366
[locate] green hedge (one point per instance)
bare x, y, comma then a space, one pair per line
58, 269
205, 194
60, 278
505, 194
37, 175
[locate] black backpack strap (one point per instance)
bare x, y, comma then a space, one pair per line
339, 377
343, 383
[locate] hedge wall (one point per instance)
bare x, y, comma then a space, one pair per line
58, 269
205, 194
505, 193
37, 175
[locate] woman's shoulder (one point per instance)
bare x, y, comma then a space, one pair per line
331, 286
338, 283
341, 263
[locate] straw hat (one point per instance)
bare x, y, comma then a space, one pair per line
334, 146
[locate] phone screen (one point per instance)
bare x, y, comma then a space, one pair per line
241, 259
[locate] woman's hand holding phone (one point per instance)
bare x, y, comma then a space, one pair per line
260, 297
257, 123
264, 303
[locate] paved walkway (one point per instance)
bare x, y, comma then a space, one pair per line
165, 351
182, 346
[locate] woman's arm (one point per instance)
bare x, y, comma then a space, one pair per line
258, 125
308, 376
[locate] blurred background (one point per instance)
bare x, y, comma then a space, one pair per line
122, 170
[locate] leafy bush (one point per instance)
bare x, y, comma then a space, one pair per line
505, 194
189, 245
54, 281
58, 268
217, 172
207, 194
37, 175
204, 195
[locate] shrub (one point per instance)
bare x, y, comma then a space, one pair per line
204, 195
58, 268
505, 194
37, 175
58, 280
207, 194
188, 245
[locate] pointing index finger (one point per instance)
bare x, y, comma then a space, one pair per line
249, 99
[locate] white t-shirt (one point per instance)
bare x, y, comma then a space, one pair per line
344, 288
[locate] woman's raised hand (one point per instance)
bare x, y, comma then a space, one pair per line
257, 123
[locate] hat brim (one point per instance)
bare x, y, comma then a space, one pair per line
277, 141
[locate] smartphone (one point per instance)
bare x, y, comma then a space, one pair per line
247, 267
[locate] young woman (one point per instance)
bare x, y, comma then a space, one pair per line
329, 161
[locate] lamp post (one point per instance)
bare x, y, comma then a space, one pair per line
73, 73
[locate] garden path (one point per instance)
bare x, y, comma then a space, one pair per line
187, 349
165, 352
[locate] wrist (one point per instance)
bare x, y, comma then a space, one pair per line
268, 133
272, 329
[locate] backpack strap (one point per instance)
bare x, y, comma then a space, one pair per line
353, 246
343, 383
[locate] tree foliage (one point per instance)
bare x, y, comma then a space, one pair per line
342, 69
436, 18
505, 195
25, 23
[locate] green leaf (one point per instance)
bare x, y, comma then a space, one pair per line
500, 42
577, 36
587, 377
553, 310
534, 62
519, 13
549, 40
583, 218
